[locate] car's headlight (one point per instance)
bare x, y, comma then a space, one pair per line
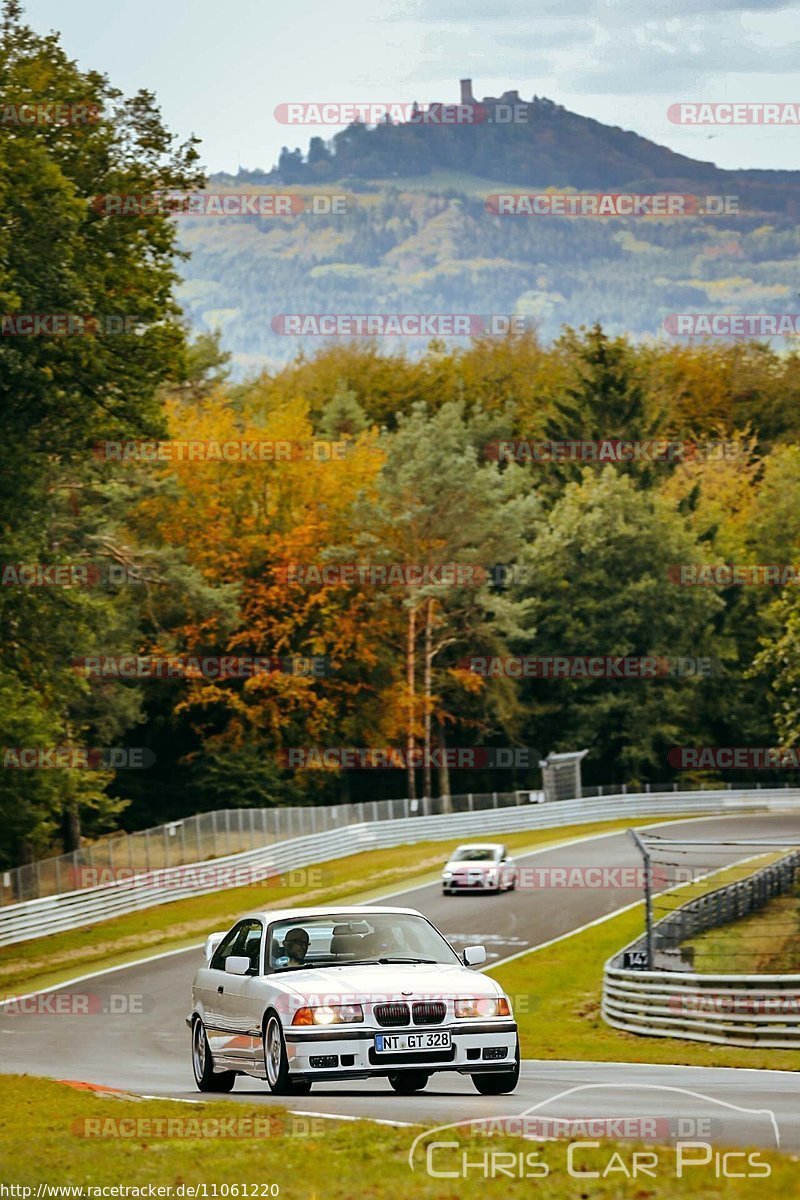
485, 1006
447, 874
329, 1014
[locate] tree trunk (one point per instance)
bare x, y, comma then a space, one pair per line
72, 827
444, 773
429, 607
411, 686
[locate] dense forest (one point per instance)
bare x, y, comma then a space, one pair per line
393, 459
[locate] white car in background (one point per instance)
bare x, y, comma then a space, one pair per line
305, 996
479, 866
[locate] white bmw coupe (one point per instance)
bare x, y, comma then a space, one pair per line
307, 995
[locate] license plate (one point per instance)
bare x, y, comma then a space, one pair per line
390, 1043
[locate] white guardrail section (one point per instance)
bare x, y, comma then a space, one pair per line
71, 910
732, 1010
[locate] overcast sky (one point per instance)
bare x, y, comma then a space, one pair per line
220, 67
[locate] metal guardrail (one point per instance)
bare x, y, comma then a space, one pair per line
228, 831
54, 914
735, 1010
215, 834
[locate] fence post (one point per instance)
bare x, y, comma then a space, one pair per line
648, 897
469, 801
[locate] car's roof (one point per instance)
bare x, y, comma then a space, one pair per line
479, 846
350, 911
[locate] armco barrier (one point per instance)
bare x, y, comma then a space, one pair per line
54, 914
735, 1010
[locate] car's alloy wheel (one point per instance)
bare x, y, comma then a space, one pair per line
406, 1082
276, 1063
206, 1078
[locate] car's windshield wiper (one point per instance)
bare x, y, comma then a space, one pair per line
408, 960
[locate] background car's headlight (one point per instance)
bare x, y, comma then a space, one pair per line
329, 1014
447, 874
485, 1006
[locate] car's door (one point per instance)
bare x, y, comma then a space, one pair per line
241, 992
224, 993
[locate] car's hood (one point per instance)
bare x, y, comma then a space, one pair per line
390, 981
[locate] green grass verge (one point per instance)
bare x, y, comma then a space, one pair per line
44, 962
42, 1140
562, 985
767, 943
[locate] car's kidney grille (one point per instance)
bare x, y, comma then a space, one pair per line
392, 1014
429, 1012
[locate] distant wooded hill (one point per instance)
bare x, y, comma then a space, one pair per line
417, 237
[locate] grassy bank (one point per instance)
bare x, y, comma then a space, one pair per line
766, 943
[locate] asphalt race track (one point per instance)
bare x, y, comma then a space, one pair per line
147, 1052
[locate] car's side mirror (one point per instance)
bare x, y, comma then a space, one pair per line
212, 941
237, 964
474, 956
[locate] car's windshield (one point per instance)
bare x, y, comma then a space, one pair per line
342, 938
475, 854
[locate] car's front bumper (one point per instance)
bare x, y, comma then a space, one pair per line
350, 1053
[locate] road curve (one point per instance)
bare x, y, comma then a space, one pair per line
147, 1052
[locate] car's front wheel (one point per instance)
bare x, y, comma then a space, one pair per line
498, 1082
276, 1062
407, 1082
206, 1078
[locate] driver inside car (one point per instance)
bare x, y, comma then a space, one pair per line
295, 947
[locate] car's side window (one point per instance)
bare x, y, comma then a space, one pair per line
243, 939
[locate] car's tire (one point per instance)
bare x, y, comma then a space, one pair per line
276, 1063
406, 1082
512, 887
498, 1083
206, 1078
